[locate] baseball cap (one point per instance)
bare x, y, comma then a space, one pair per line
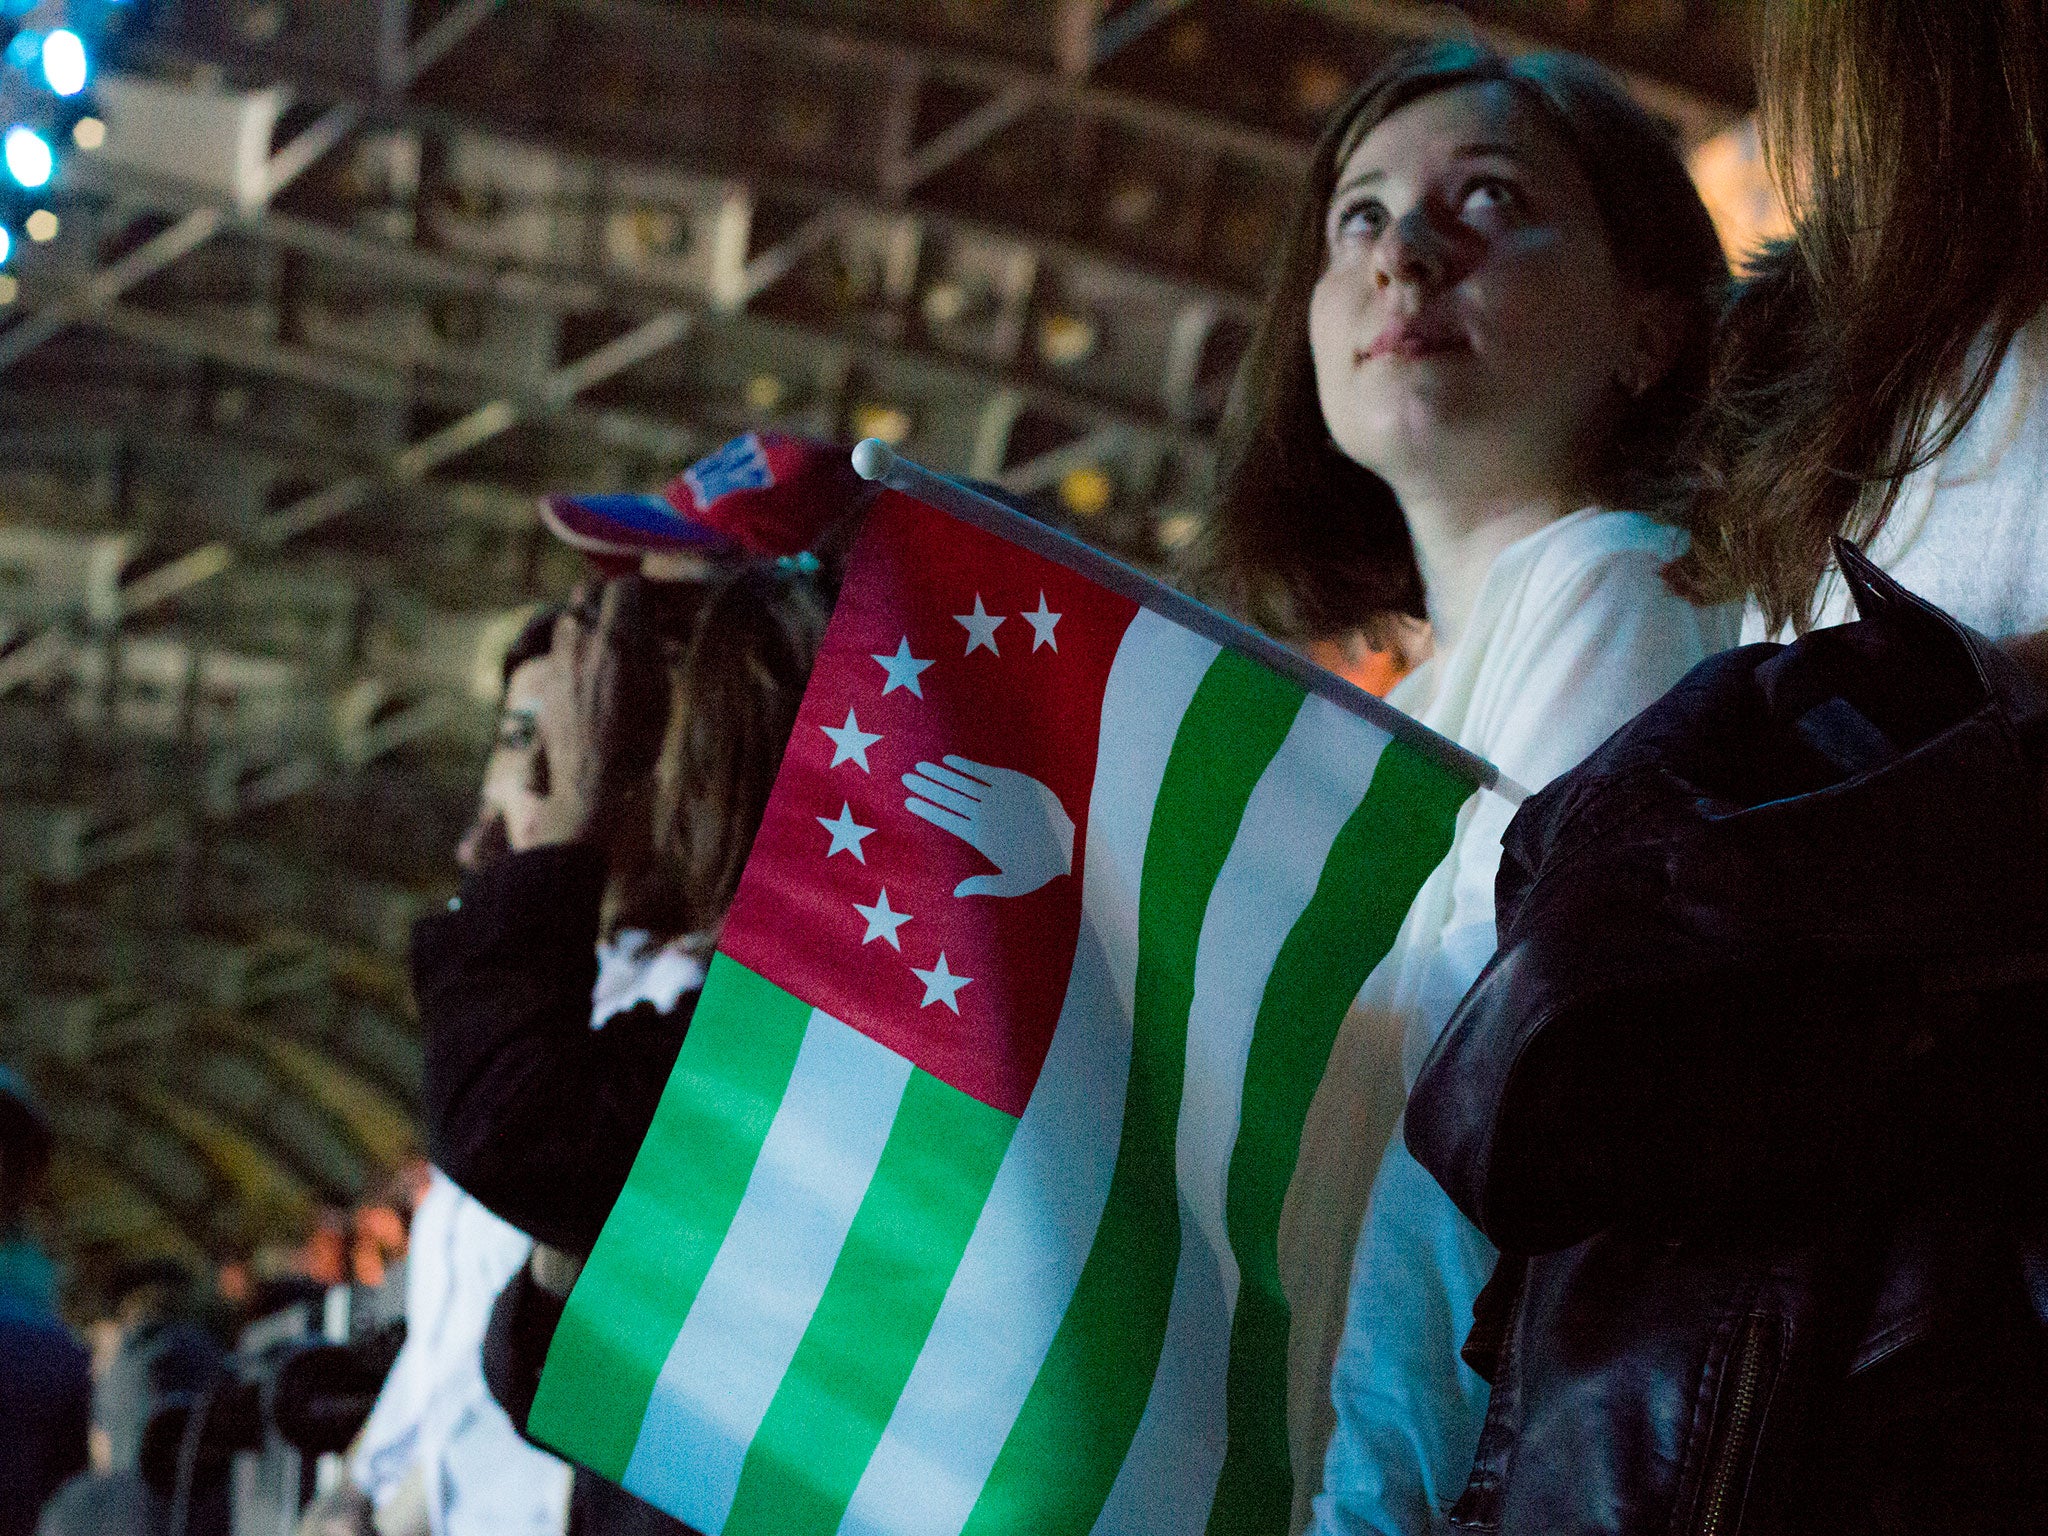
762, 495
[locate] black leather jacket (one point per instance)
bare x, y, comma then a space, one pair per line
1754, 1100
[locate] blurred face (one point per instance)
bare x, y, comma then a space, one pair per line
513, 774
1470, 323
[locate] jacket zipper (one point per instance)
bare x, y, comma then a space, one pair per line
1721, 1509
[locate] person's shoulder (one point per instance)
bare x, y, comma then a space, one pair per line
1605, 560
1573, 571
66, 1512
31, 1332
98, 1504
1599, 574
1602, 544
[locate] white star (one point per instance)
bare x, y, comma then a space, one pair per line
850, 743
902, 669
882, 923
846, 833
940, 985
1042, 623
981, 629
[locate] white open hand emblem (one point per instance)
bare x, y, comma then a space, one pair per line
1011, 819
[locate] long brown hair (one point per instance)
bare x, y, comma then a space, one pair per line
1310, 545
1911, 139
735, 684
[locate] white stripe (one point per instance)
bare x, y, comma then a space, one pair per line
758, 1296
1021, 1265
1302, 801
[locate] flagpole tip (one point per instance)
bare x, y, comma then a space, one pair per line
873, 458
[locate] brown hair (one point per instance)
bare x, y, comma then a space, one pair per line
1912, 141
1310, 545
735, 681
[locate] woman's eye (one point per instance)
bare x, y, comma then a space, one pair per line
516, 731
1490, 196
1360, 220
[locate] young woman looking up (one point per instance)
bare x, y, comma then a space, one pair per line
1487, 336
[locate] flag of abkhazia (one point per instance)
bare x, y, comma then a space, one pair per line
959, 1213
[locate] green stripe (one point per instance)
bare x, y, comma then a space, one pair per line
900, 1256
1062, 1455
661, 1237
1400, 832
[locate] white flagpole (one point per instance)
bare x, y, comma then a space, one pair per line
875, 460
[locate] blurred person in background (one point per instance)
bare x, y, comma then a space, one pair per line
527, 1108
1489, 332
1883, 374
436, 1455
139, 1293
163, 1364
45, 1381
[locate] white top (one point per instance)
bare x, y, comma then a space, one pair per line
1574, 632
435, 1414
630, 971
1970, 530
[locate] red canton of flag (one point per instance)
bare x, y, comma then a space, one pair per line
954, 648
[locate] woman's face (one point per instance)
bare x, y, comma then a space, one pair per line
1470, 323
513, 774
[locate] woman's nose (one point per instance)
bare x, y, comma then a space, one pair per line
1417, 249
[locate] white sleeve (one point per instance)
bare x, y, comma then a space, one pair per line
1593, 646
388, 1449
1587, 651
1408, 1409
1596, 643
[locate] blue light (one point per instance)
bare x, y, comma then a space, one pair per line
26, 48
64, 62
28, 156
6, 245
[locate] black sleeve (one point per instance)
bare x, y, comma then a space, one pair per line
528, 1109
523, 1323
74, 1425
44, 1392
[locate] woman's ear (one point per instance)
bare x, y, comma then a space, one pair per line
1656, 334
